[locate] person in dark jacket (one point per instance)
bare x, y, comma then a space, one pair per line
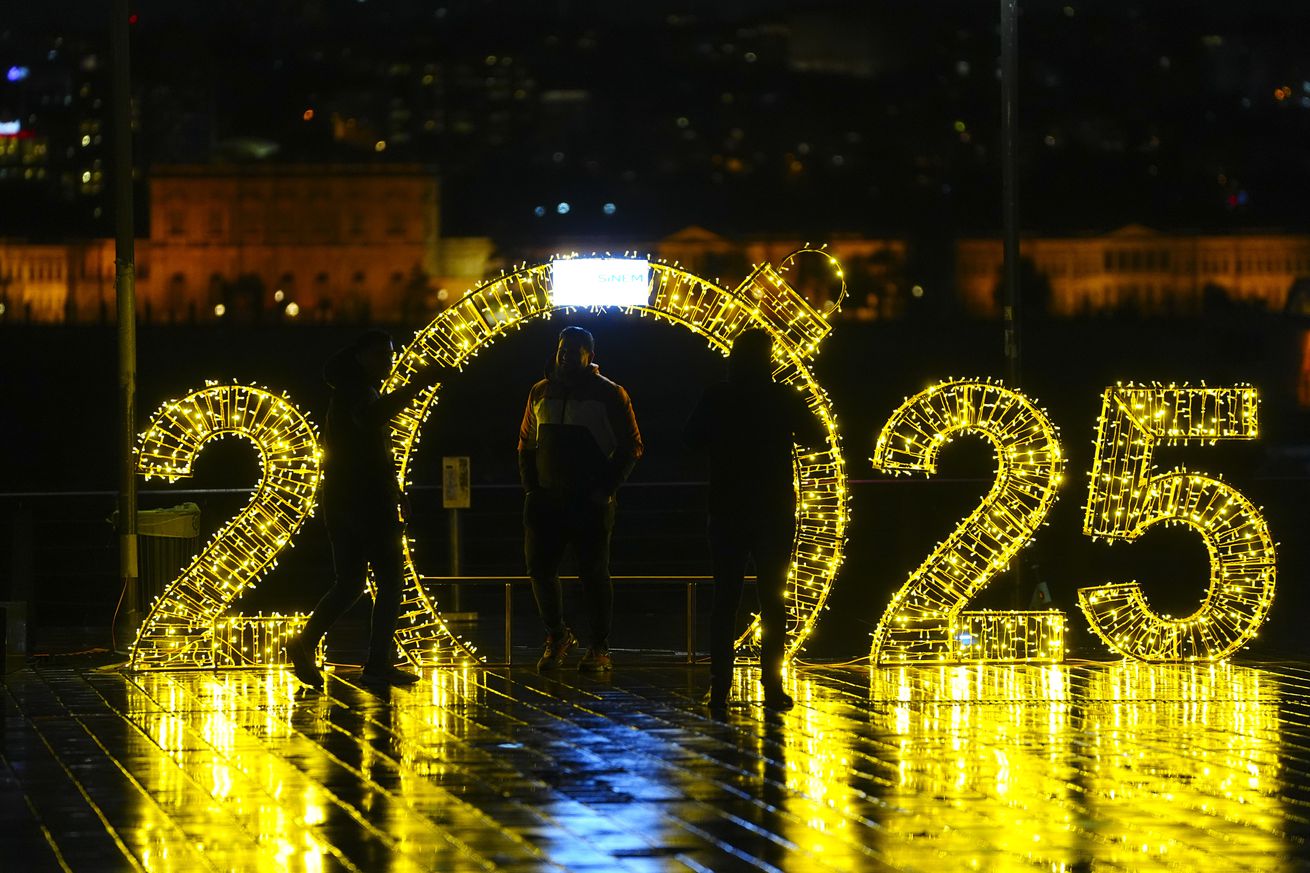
748, 426
577, 444
363, 506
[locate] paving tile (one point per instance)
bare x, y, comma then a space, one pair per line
1086, 766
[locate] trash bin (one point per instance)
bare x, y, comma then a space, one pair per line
169, 539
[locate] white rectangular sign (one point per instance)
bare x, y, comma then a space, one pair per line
456, 489
600, 282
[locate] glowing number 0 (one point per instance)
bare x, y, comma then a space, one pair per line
925, 620
716, 313
1125, 499
179, 631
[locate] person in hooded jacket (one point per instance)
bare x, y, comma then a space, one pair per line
748, 426
577, 444
363, 506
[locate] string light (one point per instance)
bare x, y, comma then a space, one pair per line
836, 267
257, 640
717, 314
1126, 497
926, 621
186, 624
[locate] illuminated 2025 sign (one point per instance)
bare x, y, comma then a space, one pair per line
926, 620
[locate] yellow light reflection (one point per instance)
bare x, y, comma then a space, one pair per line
238, 806
1123, 766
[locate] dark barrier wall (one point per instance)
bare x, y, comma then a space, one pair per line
58, 391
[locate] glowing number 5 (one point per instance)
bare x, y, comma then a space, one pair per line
925, 620
1125, 499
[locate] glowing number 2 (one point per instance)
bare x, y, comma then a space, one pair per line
179, 629
925, 620
1125, 499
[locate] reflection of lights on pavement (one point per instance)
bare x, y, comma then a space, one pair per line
1117, 766
1171, 761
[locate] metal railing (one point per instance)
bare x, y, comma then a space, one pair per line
691, 582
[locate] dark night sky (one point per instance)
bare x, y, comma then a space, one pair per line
748, 117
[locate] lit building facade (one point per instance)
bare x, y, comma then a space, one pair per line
315, 243
356, 243
63, 282
308, 241
1142, 270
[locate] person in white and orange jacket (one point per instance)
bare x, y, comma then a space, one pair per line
577, 444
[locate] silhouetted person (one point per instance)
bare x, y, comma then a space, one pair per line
363, 505
748, 426
577, 444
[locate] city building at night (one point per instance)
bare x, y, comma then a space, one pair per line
361, 243
245, 237
1141, 270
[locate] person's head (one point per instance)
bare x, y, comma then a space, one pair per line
573, 354
751, 356
374, 350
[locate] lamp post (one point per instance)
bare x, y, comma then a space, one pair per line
125, 293
1010, 214
1010, 187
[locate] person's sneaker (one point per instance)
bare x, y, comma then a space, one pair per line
717, 698
596, 661
302, 662
776, 698
388, 675
557, 647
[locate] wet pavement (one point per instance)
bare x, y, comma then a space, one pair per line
1088, 766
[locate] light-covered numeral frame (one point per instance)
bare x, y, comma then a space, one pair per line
179, 631
1126, 496
926, 622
